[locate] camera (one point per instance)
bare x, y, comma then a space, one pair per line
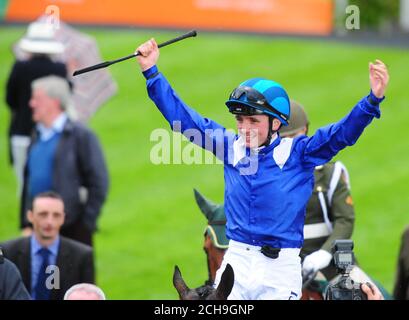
343, 287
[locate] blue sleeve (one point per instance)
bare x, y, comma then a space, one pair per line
329, 140
204, 132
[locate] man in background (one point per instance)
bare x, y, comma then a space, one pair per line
84, 291
40, 45
49, 263
65, 157
401, 288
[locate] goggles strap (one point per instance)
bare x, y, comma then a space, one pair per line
270, 132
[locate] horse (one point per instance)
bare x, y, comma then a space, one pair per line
214, 257
215, 245
215, 241
206, 292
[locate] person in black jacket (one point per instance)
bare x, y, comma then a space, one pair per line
401, 287
11, 285
65, 157
49, 263
40, 46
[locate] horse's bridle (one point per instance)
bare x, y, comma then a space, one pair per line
209, 282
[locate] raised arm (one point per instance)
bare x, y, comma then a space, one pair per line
202, 131
329, 140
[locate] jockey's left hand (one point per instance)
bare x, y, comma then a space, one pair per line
316, 261
378, 78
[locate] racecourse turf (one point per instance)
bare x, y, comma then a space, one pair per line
150, 221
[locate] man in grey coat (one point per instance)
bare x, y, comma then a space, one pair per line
65, 157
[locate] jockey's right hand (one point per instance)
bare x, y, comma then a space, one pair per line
316, 261
148, 54
378, 78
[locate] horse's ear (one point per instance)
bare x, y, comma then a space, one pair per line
179, 283
205, 205
226, 283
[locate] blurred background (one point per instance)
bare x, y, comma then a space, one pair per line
316, 49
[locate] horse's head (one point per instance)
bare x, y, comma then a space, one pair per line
205, 292
214, 213
215, 242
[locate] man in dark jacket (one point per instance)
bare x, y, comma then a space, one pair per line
40, 45
65, 157
50, 264
401, 288
11, 285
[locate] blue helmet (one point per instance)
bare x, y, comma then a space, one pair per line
260, 96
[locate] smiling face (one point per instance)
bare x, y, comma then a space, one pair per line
47, 217
254, 129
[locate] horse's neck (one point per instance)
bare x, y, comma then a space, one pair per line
214, 258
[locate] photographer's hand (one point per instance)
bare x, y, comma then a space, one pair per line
371, 291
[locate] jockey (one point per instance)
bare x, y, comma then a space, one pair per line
268, 179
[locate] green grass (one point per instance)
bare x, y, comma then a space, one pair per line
150, 221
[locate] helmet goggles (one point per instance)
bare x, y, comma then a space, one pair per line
258, 102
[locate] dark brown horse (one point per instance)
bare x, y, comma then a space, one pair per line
206, 292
